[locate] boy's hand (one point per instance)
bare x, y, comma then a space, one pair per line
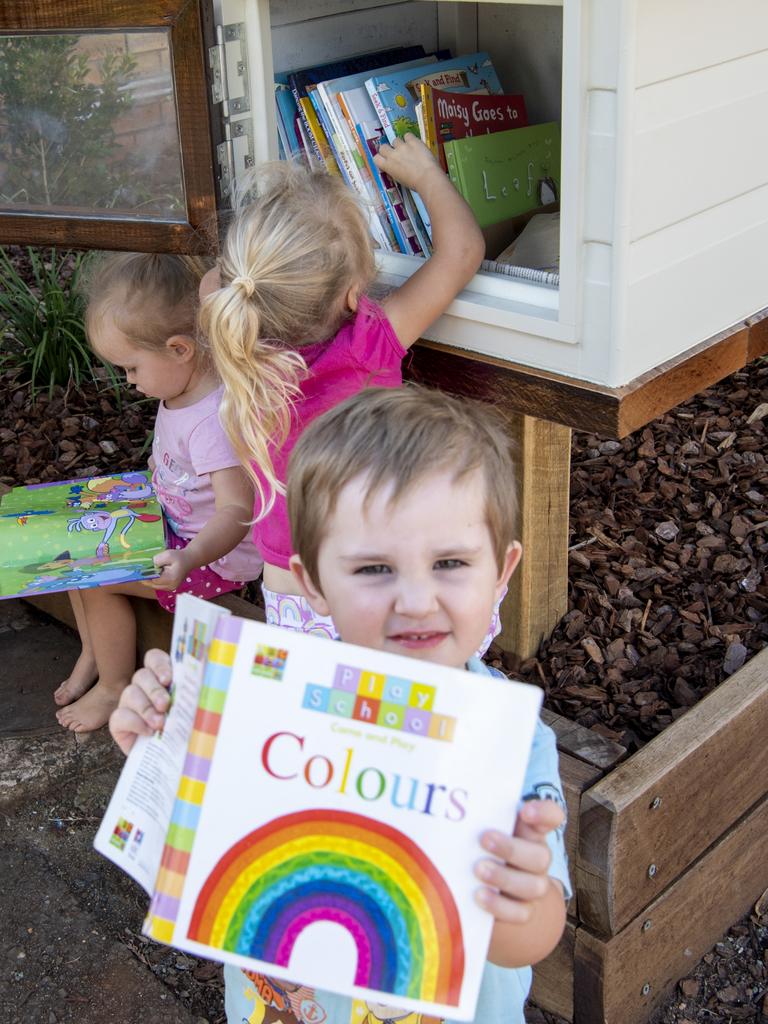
408, 161
143, 703
175, 569
522, 878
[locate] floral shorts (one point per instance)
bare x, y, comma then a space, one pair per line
203, 582
294, 612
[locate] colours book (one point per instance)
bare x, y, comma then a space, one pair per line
311, 810
507, 173
76, 534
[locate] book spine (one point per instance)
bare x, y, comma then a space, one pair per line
378, 106
347, 164
311, 143
429, 133
400, 239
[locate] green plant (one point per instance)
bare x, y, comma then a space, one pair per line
42, 319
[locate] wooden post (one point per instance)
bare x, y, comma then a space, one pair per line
538, 591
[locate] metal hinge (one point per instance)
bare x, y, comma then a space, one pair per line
234, 154
228, 60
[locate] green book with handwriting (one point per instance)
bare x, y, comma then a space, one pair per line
506, 173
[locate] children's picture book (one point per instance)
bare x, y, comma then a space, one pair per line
455, 115
76, 534
312, 810
507, 173
394, 94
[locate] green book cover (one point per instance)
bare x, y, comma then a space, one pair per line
76, 534
506, 173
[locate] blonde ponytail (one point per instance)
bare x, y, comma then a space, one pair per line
293, 250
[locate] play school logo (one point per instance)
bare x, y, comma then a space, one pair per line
377, 699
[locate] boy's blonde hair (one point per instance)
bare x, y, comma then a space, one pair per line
397, 437
298, 243
150, 296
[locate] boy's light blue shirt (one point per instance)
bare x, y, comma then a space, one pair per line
503, 990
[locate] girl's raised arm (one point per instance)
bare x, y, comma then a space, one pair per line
457, 242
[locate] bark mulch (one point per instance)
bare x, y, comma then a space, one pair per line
667, 592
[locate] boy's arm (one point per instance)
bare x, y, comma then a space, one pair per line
220, 535
457, 242
527, 904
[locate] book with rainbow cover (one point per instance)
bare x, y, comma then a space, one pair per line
77, 534
311, 810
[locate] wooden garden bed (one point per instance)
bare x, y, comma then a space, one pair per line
666, 847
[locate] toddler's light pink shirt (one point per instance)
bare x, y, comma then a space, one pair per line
189, 445
364, 353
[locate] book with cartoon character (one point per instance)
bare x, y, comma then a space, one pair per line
76, 534
311, 812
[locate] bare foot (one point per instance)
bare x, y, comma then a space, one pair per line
91, 711
81, 679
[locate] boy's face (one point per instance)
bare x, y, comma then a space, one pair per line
419, 577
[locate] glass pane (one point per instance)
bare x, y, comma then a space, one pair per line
88, 124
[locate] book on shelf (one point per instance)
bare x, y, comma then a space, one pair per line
394, 96
311, 810
506, 173
327, 97
300, 79
454, 115
287, 112
320, 145
369, 137
77, 534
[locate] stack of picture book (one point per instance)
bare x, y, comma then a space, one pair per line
312, 810
337, 115
76, 534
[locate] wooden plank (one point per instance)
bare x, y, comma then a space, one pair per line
576, 777
582, 743
552, 987
612, 412
153, 625
538, 591
642, 825
622, 980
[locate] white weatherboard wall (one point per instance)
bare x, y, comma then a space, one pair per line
665, 162
697, 192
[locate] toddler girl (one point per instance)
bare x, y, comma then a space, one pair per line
292, 331
141, 318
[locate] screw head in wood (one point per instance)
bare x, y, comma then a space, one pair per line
646, 925
656, 803
652, 871
646, 989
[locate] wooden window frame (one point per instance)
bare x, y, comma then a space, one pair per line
189, 30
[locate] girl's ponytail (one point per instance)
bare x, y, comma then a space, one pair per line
261, 382
297, 244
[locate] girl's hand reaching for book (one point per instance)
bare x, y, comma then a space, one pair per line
408, 161
144, 702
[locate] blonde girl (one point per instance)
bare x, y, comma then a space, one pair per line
293, 332
141, 318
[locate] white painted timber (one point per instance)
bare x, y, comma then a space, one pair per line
664, 205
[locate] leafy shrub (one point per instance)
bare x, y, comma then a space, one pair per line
42, 319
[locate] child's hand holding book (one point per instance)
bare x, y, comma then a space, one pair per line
144, 702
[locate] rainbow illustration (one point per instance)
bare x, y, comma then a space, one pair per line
321, 865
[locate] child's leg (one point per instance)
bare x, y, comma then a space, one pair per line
112, 630
84, 674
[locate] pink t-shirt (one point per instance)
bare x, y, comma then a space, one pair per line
365, 353
189, 445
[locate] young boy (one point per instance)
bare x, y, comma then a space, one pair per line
402, 507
